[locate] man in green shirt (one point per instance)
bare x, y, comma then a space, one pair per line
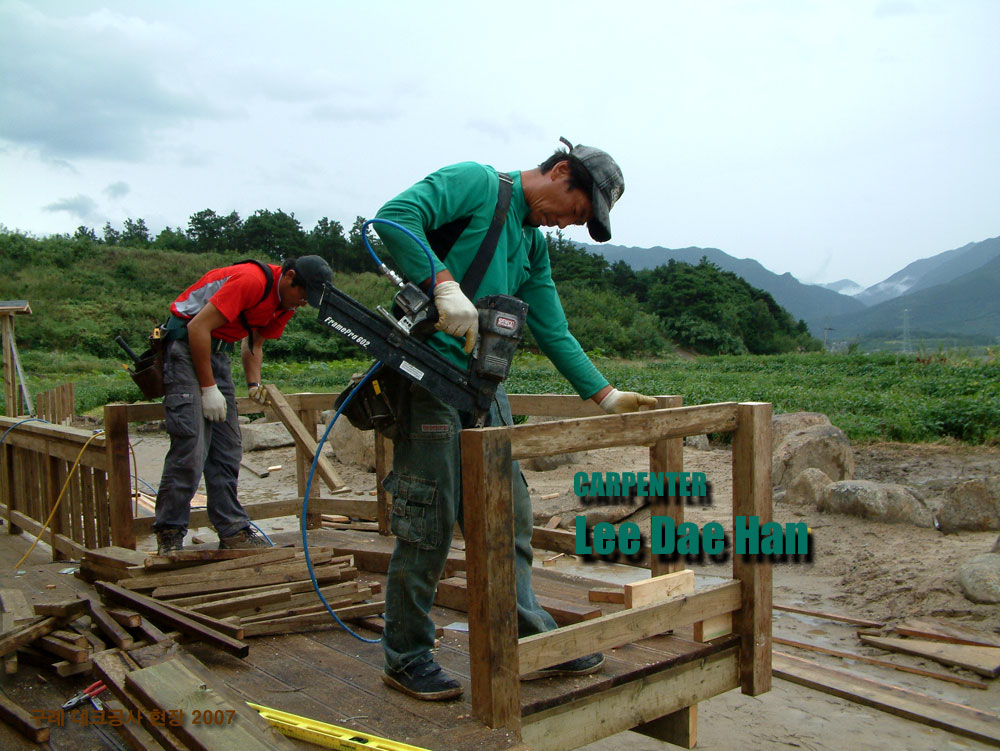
451, 211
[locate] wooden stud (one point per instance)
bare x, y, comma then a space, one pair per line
19, 719
752, 497
659, 588
119, 492
667, 455
102, 505
305, 442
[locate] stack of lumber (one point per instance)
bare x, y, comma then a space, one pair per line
258, 592
172, 701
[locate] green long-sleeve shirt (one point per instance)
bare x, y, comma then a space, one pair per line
467, 192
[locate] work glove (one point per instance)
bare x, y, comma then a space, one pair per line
456, 313
618, 402
213, 403
257, 393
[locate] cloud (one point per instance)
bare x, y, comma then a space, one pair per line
354, 112
80, 206
89, 86
118, 189
513, 128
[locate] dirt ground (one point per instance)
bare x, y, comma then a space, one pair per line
886, 572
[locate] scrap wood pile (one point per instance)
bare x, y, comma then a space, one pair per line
240, 593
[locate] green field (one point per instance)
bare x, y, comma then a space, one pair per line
870, 396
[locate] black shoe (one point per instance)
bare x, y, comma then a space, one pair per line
169, 540
426, 681
245, 539
580, 666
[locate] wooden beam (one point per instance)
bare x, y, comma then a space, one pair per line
23, 635
119, 491
631, 704
982, 660
631, 429
23, 722
453, 593
553, 405
667, 455
922, 708
553, 647
865, 623
954, 633
489, 537
679, 728
659, 588
752, 497
111, 628
304, 442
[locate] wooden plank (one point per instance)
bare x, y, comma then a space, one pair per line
922, 708
102, 505
713, 628
613, 595
89, 510
954, 633
552, 405
881, 663
24, 635
109, 626
135, 736
830, 616
171, 685
679, 728
125, 617
256, 602
159, 562
631, 429
22, 721
489, 537
314, 621
186, 625
322, 573
76, 504
659, 588
223, 627
14, 604
58, 647
982, 660
553, 647
250, 467
113, 555
304, 441
119, 493
453, 593
625, 706
752, 497
667, 455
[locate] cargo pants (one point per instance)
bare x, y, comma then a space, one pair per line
198, 446
426, 485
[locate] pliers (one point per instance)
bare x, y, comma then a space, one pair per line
88, 694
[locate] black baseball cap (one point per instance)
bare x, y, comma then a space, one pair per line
313, 271
609, 184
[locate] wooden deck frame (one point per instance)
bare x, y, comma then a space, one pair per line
498, 659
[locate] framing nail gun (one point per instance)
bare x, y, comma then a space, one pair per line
398, 343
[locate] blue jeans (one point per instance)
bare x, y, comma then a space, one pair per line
426, 485
198, 446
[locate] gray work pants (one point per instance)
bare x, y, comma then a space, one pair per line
198, 446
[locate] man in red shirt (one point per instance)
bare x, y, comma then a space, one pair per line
247, 302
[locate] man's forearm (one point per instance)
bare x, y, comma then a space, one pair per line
252, 359
200, 342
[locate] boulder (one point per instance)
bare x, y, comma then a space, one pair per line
789, 422
352, 446
973, 505
872, 500
699, 442
979, 578
546, 463
806, 488
824, 447
265, 435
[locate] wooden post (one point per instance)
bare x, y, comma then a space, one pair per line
667, 455
309, 418
383, 465
119, 493
489, 550
55, 475
9, 387
752, 497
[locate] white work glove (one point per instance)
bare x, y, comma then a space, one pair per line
456, 313
257, 393
617, 402
213, 403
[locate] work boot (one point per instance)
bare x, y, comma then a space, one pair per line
426, 681
245, 539
580, 666
169, 540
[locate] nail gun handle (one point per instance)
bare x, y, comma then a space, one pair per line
124, 345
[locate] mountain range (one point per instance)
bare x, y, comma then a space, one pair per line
954, 293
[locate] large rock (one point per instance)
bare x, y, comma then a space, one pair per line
352, 446
824, 447
979, 578
806, 488
972, 505
265, 435
789, 422
699, 442
873, 500
546, 463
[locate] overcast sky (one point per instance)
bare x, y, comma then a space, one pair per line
828, 139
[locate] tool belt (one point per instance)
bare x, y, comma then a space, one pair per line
379, 404
176, 328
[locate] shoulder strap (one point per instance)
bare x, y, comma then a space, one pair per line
477, 269
269, 277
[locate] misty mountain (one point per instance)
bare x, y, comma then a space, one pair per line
809, 302
844, 287
967, 305
929, 272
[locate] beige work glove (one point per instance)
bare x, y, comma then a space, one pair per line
213, 403
618, 402
257, 393
456, 313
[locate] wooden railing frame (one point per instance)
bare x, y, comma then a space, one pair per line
497, 658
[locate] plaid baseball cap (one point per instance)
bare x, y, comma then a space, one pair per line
609, 184
313, 271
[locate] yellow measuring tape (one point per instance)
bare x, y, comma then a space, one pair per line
325, 734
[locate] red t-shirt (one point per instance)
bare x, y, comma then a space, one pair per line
234, 290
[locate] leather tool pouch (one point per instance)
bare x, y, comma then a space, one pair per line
148, 370
379, 404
